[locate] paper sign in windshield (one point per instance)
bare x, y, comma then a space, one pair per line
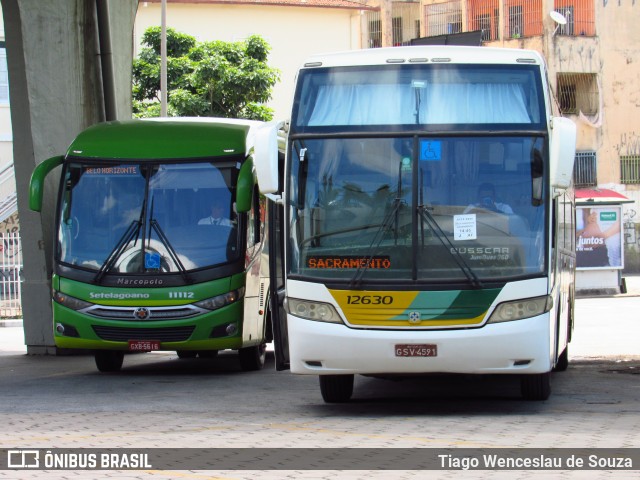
464, 227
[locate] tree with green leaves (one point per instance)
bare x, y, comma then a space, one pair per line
204, 79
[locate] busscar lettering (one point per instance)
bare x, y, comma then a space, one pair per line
481, 250
327, 262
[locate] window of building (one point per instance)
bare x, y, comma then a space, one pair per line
516, 23
567, 28
4, 76
523, 18
578, 92
443, 18
580, 15
374, 39
484, 15
585, 170
406, 22
630, 169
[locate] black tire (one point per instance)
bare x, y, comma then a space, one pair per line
252, 358
535, 386
186, 354
563, 361
336, 388
109, 360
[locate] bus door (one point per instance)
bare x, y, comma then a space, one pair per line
277, 280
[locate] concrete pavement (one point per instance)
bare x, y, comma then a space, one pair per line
159, 401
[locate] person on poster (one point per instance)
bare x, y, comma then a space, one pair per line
597, 248
612, 240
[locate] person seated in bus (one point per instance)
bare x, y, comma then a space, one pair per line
487, 201
216, 217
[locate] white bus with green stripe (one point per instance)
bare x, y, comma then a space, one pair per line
425, 219
135, 267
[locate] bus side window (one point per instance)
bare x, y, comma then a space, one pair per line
253, 220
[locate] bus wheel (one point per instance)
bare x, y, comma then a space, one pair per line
109, 360
563, 361
186, 353
535, 386
336, 388
252, 358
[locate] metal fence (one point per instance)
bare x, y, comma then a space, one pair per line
405, 25
10, 275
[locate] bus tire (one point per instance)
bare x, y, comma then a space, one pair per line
535, 386
563, 361
336, 388
186, 354
252, 358
109, 360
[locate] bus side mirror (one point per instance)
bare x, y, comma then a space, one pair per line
36, 185
562, 152
244, 187
266, 157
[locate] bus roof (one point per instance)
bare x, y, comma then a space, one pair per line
165, 138
425, 55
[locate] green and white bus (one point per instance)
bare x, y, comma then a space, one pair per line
426, 218
140, 263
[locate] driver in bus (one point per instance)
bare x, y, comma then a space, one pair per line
216, 217
487, 201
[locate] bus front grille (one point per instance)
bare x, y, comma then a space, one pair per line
179, 312
169, 334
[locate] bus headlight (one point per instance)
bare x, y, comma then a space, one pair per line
519, 309
220, 301
318, 311
69, 301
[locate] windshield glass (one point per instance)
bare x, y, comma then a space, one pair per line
148, 218
427, 94
417, 208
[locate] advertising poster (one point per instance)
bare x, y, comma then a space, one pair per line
598, 237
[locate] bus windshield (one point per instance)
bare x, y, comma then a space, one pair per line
147, 217
417, 208
435, 94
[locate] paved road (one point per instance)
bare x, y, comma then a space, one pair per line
161, 401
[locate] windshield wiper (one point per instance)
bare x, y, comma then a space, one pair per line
377, 239
154, 225
132, 232
392, 217
446, 242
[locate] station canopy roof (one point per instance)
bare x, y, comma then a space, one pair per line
585, 196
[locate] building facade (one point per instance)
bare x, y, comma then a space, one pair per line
294, 29
591, 47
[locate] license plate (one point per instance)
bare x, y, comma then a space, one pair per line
144, 345
416, 350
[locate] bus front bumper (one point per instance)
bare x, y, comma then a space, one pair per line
521, 346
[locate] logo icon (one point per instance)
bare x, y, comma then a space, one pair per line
141, 313
23, 459
414, 317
